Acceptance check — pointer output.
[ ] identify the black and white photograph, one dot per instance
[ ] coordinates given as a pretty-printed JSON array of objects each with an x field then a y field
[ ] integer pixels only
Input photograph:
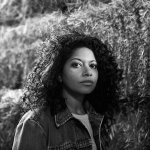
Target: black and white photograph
[{"x": 74, "y": 75}]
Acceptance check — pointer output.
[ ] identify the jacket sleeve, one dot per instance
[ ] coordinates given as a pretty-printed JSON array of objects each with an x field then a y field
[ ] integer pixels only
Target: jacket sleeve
[{"x": 29, "y": 136}]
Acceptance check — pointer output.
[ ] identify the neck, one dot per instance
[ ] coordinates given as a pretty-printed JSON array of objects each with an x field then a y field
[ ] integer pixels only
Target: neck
[{"x": 74, "y": 102}]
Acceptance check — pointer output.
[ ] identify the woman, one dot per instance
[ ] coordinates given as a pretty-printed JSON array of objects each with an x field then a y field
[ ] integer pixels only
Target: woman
[{"x": 72, "y": 87}]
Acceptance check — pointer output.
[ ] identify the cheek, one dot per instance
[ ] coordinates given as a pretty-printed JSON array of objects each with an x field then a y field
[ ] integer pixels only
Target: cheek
[
  {"x": 69, "y": 76},
  {"x": 95, "y": 74}
]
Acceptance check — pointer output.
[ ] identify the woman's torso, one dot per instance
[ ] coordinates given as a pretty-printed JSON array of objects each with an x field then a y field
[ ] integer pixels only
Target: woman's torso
[{"x": 60, "y": 131}]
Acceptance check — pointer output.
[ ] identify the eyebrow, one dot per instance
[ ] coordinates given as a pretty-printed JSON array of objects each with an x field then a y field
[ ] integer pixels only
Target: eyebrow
[{"x": 81, "y": 60}]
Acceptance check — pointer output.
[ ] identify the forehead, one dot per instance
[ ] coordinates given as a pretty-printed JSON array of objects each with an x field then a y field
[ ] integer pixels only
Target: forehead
[{"x": 83, "y": 53}]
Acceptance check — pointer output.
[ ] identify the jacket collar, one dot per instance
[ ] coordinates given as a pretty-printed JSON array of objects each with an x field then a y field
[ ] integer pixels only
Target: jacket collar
[
  {"x": 65, "y": 115},
  {"x": 62, "y": 117}
]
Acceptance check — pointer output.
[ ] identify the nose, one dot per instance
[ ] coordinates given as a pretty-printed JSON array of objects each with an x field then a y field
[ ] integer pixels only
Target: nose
[{"x": 86, "y": 71}]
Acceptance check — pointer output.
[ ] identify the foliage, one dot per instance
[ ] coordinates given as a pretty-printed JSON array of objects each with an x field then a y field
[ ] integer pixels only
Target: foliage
[
  {"x": 13, "y": 12},
  {"x": 10, "y": 110},
  {"x": 131, "y": 129},
  {"x": 14, "y": 68},
  {"x": 19, "y": 46},
  {"x": 18, "y": 9}
]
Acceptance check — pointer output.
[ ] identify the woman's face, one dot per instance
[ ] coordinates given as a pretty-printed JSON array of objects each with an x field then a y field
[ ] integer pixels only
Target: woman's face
[{"x": 80, "y": 72}]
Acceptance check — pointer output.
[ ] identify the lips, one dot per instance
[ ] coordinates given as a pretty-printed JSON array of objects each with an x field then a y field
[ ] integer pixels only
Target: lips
[{"x": 87, "y": 82}]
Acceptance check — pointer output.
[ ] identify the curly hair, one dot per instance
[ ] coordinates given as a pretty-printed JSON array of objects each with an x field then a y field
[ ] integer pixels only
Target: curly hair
[{"x": 43, "y": 87}]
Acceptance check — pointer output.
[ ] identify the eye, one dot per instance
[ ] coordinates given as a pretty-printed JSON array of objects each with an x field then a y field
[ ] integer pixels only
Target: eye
[
  {"x": 94, "y": 66},
  {"x": 76, "y": 65}
]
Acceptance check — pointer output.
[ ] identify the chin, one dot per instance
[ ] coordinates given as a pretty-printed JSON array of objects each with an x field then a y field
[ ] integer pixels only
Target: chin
[{"x": 85, "y": 91}]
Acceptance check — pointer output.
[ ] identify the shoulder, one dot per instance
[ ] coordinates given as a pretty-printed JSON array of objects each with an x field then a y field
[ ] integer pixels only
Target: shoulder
[
  {"x": 38, "y": 118},
  {"x": 31, "y": 131},
  {"x": 36, "y": 115}
]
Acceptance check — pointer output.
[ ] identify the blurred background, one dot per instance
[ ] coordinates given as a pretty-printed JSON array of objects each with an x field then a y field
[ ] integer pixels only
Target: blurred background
[{"x": 122, "y": 24}]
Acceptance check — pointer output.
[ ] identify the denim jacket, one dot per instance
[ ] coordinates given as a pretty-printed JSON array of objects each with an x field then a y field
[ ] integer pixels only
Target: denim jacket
[{"x": 39, "y": 130}]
